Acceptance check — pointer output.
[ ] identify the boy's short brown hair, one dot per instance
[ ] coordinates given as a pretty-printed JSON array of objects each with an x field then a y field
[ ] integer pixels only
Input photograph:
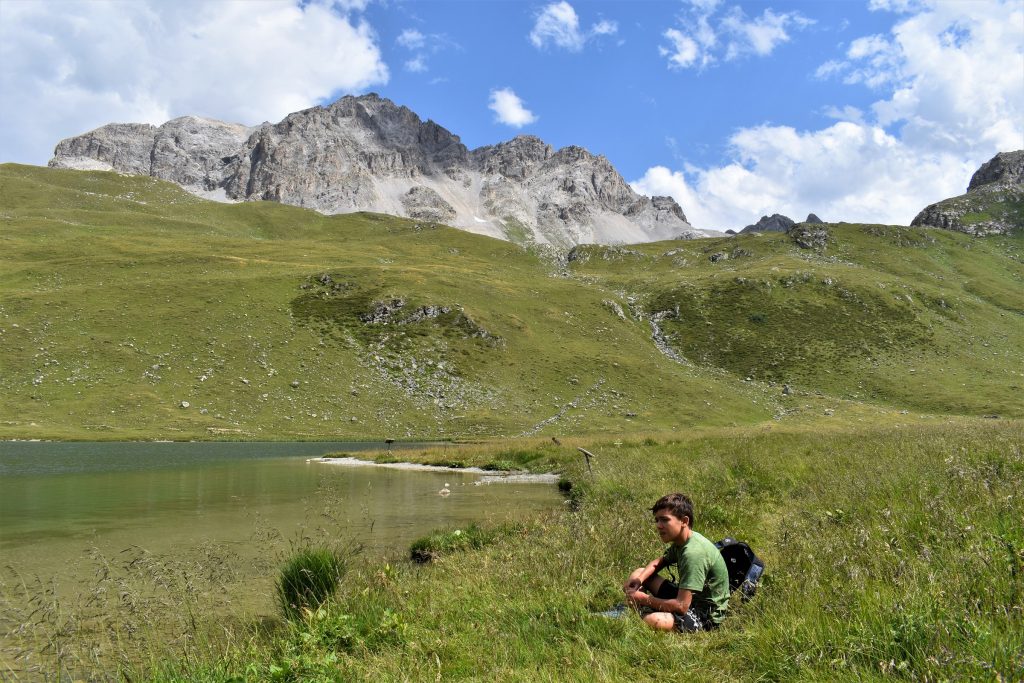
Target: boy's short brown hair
[{"x": 678, "y": 504}]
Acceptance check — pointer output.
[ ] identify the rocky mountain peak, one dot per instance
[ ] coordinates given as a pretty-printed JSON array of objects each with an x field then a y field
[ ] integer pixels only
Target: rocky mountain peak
[
  {"x": 516, "y": 158},
  {"x": 774, "y": 223},
  {"x": 1005, "y": 168},
  {"x": 366, "y": 153},
  {"x": 993, "y": 204}
]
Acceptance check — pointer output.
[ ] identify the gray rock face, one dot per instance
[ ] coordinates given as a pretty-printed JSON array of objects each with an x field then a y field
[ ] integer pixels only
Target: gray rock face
[
  {"x": 368, "y": 154},
  {"x": 123, "y": 147},
  {"x": 774, "y": 223},
  {"x": 993, "y": 204},
  {"x": 1005, "y": 168},
  {"x": 188, "y": 151},
  {"x": 813, "y": 218}
]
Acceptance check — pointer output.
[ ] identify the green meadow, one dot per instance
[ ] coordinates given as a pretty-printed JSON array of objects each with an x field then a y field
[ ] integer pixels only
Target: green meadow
[
  {"x": 851, "y": 406},
  {"x": 122, "y": 299}
]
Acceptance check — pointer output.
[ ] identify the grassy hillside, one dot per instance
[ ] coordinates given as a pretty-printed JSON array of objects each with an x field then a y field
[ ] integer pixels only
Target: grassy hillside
[
  {"x": 124, "y": 299},
  {"x": 915, "y": 318}
]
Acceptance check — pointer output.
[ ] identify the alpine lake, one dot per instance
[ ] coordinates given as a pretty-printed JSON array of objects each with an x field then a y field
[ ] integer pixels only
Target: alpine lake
[{"x": 119, "y": 538}]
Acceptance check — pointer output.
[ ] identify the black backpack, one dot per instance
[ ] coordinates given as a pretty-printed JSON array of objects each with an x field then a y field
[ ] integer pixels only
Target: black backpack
[{"x": 745, "y": 568}]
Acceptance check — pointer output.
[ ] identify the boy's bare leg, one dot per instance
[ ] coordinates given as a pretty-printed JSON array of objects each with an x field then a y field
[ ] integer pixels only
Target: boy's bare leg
[
  {"x": 653, "y": 584},
  {"x": 660, "y": 621}
]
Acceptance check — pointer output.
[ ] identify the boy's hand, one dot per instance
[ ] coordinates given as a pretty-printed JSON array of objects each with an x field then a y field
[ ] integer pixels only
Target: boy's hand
[
  {"x": 636, "y": 598},
  {"x": 632, "y": 584}
]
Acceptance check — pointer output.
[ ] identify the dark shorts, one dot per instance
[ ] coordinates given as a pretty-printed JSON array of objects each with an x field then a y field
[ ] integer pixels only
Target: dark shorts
[{"x": 694, "y": 619}]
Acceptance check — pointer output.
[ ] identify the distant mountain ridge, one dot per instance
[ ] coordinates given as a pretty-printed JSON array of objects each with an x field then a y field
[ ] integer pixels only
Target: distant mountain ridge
[{"x": 368, "y": 154}]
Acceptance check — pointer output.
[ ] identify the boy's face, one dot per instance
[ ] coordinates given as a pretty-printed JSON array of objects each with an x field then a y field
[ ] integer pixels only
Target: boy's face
[{"x": 670, "y": 527}]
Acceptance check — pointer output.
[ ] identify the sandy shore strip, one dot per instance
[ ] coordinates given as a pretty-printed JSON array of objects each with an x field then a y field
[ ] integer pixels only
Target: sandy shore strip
[{"x": 489, "y": 476}]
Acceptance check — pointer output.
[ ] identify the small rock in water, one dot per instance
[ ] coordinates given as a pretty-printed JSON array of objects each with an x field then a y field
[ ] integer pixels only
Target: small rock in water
[
  {"x": 185, "y": 404},
  {"x": 295, "y": 384}
]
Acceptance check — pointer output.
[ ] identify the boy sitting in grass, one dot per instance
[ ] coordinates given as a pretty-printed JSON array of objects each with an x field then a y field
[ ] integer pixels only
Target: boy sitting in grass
[{"x": 699, "y": 600}]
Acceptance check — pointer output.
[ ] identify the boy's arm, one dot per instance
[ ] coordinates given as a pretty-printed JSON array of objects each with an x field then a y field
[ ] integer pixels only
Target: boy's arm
[
  {"x": 637, "y": 578},
  {"x": 679, "y": 604},
  {"x": 692, "y": 575}
]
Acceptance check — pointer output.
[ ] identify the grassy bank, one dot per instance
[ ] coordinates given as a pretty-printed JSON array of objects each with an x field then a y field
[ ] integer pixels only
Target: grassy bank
[{"x": 892, "y": 552}]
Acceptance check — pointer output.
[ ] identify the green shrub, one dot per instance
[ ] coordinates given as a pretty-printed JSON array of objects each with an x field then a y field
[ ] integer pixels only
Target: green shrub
[{"x": 308, "y": 579}]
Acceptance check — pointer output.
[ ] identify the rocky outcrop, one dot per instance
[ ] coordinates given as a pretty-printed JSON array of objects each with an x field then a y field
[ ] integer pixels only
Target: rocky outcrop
[
  {"x": 368, "y": 154},
  {"x": 809, "y": 235},
  {"x": 122, "y": 147},
  {"x": 188, "y": 151},
  {"x": 426, "y": 205},
  {"x": 774, "y": 223},
  {"x": 813, "y": 218},
  {"x": 1005, "y": 169},
  {"x": 993, "y": 204}
]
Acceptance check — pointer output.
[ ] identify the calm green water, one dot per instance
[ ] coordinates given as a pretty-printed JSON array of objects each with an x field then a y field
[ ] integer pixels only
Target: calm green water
[{"x": 67, "y": 510}]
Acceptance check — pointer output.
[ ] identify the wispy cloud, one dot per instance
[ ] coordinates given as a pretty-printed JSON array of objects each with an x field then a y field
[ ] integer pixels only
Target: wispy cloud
[
  {"x": 759, "y": 35},
  {"x": 422, "y": 45},
  {"x": 416, "y": 65},
  {"x": 411, "y": 39},
  {"x": 705, "y": 34},
  {"x": 509, "y": 109},
  {"x": 872, "y": 60},
  {"x": 559, "y": 25}
]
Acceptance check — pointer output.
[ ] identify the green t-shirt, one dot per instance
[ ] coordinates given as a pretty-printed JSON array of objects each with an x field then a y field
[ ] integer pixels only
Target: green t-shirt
[{"x": 701, "y": 570}]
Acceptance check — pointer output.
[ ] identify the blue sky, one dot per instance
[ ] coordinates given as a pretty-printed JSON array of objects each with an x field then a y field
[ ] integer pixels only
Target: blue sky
[{"x": 858, "y": 110}]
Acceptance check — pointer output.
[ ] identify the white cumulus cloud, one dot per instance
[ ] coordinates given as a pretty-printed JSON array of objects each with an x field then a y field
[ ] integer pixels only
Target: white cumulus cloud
[
  {"x": 66, "y": 68},
  {"x": 848, "y": 171},
  {"x": 509, "y": 109},
  {"x": 949, "y": 76},
  {"x": 955, "y": 73},
  {"x": 559, "y": 25}
]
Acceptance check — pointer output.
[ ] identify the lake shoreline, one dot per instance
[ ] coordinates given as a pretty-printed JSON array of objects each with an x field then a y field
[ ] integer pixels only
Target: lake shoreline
[{"x": 489, "y": 476}]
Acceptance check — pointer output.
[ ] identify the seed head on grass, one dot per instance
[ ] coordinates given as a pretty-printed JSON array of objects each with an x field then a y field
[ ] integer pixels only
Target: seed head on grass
[{"x": 307, "y": 579}]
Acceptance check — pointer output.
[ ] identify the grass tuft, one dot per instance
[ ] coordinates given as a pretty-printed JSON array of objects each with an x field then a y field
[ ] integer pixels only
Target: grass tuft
[{"x": 307, "y": 580}]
